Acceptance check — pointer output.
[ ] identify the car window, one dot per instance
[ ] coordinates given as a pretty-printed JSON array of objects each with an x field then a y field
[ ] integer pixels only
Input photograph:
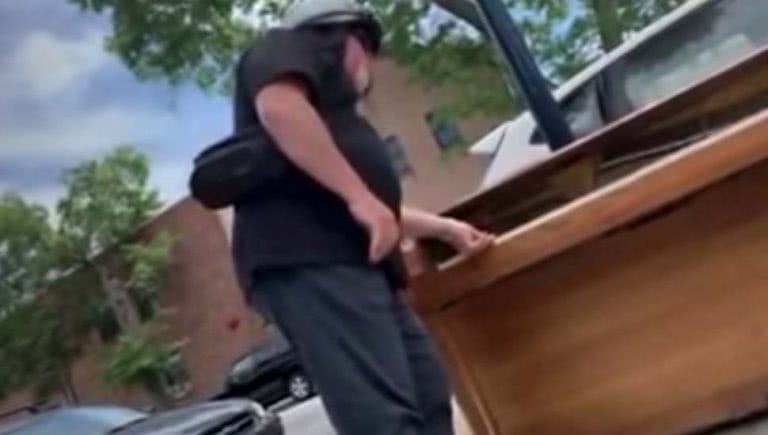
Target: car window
[
  {"x": 710, "y": 38},
  {"x": 81, "y": 422},
  {"x": 113, "y": 416},
  {"x": 273, "y": 343},
  {"x": 581, "y": 110}
]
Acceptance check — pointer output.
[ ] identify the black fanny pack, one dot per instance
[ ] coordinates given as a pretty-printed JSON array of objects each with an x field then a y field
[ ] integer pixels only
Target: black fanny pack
[{"x": 237, "y": 166}]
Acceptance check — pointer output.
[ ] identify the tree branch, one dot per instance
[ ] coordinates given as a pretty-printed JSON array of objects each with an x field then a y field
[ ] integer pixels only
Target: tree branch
[
  {"x": 608, "y": 23},
  {"x": 466, "y": 11},
  {"x": 120, "y": 302}
]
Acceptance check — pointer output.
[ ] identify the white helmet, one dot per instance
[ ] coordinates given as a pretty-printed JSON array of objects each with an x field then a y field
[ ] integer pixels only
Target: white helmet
[{"x": 308, "y": 13}]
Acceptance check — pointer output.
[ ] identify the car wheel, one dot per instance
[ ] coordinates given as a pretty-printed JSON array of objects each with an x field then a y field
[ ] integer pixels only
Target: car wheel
[{"x": 300, "y": 387}]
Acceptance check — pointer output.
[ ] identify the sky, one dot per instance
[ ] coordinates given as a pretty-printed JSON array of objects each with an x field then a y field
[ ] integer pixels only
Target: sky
[{"x": 64, "y": 99}]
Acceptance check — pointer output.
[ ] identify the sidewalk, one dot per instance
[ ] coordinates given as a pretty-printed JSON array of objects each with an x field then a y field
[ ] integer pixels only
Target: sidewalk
[{"x": 459, "y": 422}]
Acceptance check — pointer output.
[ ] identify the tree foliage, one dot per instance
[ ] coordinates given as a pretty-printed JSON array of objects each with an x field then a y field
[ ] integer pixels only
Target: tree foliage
[
  {"x": 44, "y": 337},
  {"x": 140, "y": 359},
  {"x": 106, "y": 201},
  {"x": 147, "y": 263},
  {"x": 58, "y": 283},
  {"x": 44, "y": 317},
  {"x": 199, "y": 40},
  {"x": 25, "y": 248}
]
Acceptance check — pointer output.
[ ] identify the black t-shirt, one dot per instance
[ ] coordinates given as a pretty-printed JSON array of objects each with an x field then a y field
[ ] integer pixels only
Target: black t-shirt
[{"x": 298, "y": 222}]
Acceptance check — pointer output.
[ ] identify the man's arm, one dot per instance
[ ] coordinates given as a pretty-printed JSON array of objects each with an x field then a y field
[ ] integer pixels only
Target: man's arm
[
  {"x": 300, "y": 133},
  {"x": 466, "y": 239},
  {"x": 419, "y": 224},
  {"x": 302, "y": 136}
]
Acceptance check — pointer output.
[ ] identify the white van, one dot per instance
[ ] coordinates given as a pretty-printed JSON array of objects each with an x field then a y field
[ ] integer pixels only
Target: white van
[{"x": 681, "y": 49}]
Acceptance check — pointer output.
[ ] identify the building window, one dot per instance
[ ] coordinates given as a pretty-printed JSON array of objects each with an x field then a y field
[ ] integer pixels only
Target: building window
[
  {"x": 398, "y": 156},
  {"x": 445, "y": 129}
]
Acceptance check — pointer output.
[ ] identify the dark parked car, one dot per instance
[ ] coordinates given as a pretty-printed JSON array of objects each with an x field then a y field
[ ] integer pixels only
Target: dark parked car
[
  {"x": 269, "y": 373},
  {"x": 230, "y": 417}
]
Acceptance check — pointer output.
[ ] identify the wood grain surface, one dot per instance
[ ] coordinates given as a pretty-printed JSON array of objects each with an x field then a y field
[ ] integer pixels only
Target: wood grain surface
[
  {"x": 636, "y": 308},
  {"x": 643, "y": 192},
  {"x": 656, "y": 329},
  {"x": 728, "y": 95}
]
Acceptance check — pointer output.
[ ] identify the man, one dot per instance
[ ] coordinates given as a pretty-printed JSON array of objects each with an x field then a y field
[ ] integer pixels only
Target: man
[{"x": 318, "y": 251}]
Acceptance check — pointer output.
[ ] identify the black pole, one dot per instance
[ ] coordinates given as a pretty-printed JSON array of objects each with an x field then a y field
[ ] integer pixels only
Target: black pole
[{"x": 530, "y": 81}]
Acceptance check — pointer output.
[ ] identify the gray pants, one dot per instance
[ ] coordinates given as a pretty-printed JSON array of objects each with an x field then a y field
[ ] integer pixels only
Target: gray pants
[{"x": 375, "y": 369}]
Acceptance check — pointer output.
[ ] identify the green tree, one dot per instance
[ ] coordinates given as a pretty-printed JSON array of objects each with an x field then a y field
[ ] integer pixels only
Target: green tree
[
  {"x": 199, "y": 40},
  {"x": 142, "y": 359},
  {"x": 25, "y": 247},
  {"x": 566, "y": 35},
  {"x": 106, "y": 203},
  {"x": 41, "y": 328},
  {"x": 59, "y": 285},
  {"x": 25, "y": 239},
  {"x": 44, "y": 337}
]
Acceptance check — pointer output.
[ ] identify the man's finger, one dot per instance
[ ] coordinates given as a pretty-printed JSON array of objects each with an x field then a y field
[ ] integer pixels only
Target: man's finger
[
  {"x": 479, "y": 245},
  {"x": 378, "y": 253},
  {"x": 373, "y": 246},
  {"x": 380, "y": 249}
]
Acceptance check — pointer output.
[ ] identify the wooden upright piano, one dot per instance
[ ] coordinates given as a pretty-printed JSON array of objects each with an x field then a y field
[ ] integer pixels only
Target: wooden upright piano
[{"x": 628, "y": 291}]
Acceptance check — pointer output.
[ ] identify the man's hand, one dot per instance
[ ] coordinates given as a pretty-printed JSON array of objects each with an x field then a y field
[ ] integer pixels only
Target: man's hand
[
  {"x": 303, "y": 137},
  {"x": 380, "y": 222},
  {"x": 465, "y": 238}
]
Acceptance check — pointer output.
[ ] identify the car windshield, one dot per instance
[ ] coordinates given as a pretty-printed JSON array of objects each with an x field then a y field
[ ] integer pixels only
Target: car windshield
[
  {"x": 97, "y": 421},
  {"x": 581, "y": 110},
  {"x": 272, "y": 344},
  {"x": 709, "y": 39},
  {"x": 717, "y": 34}
]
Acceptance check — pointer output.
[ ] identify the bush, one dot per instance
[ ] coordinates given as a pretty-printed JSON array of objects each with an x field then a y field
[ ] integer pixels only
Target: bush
[{"x": 141, "y": 360}]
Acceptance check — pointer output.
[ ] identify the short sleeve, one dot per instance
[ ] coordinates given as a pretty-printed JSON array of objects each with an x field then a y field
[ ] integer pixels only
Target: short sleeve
[{"x": 277, "y": 55}]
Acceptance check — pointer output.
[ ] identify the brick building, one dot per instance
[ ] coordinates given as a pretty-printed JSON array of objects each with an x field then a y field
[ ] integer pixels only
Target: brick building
[{"x": 207, "y": 305}]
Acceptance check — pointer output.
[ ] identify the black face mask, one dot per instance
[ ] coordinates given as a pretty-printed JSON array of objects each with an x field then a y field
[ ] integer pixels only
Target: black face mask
[
  {"x": 333, "y": 40},
  {"x": 362, "y": 35}
]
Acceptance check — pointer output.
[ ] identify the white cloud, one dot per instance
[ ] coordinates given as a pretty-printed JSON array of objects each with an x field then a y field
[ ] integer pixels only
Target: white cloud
[
  {"x": 46, "y": 84},
  {"x": 47, "y": 77},
  {"x": 45, "y": 66},
  {"x": 83, "y": 134}
]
